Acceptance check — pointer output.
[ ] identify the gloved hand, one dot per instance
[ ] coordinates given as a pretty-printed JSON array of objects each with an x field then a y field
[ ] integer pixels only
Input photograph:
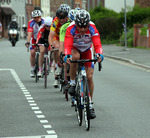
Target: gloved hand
[
  {"x": 99, "y": 57},
  {"x": 67, "y": 57},
  {"x": 27, "y": 44}
]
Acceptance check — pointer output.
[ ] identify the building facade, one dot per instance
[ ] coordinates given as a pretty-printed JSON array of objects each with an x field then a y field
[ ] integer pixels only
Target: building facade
[
  {"x": 11, "y": 9},
  {"x": 118, "y": 5},
  {"x": 45, "y": 7},
  {"x": 143, "y": 3}
]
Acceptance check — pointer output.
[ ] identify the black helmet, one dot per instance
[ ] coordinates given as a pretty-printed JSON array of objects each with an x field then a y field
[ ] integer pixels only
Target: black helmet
[
  {"x": 61, "y": 14},
  {"x": 82, "y": 18}
]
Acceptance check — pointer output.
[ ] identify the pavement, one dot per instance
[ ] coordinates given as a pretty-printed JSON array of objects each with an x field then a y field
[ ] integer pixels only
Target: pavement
[{"x": 138, "y": 57}]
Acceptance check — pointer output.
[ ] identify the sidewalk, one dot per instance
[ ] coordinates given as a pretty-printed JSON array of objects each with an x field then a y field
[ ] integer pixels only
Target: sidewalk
[{"x": 139, "y": 57}]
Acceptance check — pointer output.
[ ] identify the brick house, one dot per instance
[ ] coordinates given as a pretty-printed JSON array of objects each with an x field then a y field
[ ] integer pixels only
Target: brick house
[{"x": 143, "y": 3}]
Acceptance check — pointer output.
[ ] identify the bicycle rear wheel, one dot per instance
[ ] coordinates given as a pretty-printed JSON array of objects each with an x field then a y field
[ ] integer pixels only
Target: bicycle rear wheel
[
  {"x": 36, "y": 67},
  {"x": 86, "y": 105}
]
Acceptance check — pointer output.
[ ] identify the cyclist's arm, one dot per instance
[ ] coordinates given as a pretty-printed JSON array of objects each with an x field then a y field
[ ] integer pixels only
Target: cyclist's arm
[
  {"x": 68, "y": 43},
  {"x": 40, "y": 34},
  {"x": 51, "y": 37},
  {"x": 97, "y": 44},
  {"x": 29, "y": 36},
  {"x": 62, "y": 38}
]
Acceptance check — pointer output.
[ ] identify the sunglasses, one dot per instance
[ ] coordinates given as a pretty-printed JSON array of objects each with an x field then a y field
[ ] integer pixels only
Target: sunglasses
[{"x": 47, "y": 26}]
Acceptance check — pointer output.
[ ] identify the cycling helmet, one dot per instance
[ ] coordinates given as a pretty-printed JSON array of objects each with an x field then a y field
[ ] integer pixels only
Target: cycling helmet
[
  {"x": 71, "y": 15},
  {"x": 77, "y": 8},
  {"x": 14, "y": 19},
  {"x": 36, "y": 13},
  {"x": 82, "y": 18},
  {"x": 64, "y": 7},
  {"x": 48, "y": 21},
  {"x": 61, "y": 14}
]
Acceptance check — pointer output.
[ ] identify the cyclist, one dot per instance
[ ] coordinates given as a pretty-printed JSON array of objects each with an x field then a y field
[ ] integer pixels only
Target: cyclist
[
  {"x": 59, "y": 20},
  {"x": 33, "y": 28},
  {"x": 42, "y": 38},
  {"x": 62, "y": 37},
  {"x": 78, "y": 45}
]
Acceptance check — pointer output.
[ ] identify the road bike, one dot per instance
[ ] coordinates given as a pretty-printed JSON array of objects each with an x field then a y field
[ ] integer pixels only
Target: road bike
[
  {"x": 46, "y": 66},
  {"x": 82, "y": 98},
  {"x": 63, "y": 78}
]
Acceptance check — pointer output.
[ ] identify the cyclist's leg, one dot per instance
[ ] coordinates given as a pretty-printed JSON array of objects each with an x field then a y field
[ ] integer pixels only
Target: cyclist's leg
[
  {"x": 90, "y": 70},
  {"x": 41, "y": 59},
  {"x": 32, "y": 57},
  {"x": 56, "y": 59},
  {"x": 73, "y": 68}
]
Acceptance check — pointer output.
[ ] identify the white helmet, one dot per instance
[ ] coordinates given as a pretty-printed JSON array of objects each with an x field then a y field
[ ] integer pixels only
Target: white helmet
[
  {"x": 14, "y": 19},
  {"x": 48, "y": 21},
  {"x": 36, "y": 13}
]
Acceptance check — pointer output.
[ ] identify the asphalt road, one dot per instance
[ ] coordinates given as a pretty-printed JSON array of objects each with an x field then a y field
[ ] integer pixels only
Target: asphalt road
[{"x": 121, "y": 101}]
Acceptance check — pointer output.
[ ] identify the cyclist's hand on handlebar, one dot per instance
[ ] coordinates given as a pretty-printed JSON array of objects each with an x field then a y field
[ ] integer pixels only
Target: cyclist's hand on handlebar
[
  {"x": 67, "y": 59},
  {"x": 51, "y": 48},
  {"x": 27, "y": 44},
  {"x": 99, "y": 57}
]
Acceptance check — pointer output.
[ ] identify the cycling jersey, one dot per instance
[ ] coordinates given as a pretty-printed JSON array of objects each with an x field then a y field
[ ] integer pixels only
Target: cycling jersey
[
  {"x": 34, "y": 27},
  {"x": 55, "y": 26},
  {"x": 63, "y": 31},
  {"x": 42, "y": 35},
  {"x": 82, "y": 42}
]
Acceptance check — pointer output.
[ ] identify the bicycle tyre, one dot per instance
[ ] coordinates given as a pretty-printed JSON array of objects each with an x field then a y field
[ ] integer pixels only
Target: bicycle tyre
[
  {"x": 78, "y": 107},
  {"x": 36, "y": 67},
  {"x": 61, "y": 78},
  {"x": 45, "y": 72},
  {"x": 66, "y": 95},
  {"x": 86, "y": 104}
]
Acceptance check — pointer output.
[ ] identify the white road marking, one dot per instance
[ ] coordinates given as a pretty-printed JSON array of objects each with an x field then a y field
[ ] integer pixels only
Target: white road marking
[
  {"x": 47, "y": 126},
  {"x": 35, "y": 108},
  {"x": 42, "y": 136},
  {"x": 43, "y": 121},
  {"x": 40, "y": 116},
  {"x": 32, "y": 103},
  {"x": 37, "y": 112}
]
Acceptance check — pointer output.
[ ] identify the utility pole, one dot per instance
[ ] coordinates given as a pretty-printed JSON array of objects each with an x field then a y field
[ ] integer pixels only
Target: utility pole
[
  {"x": 72, "y": 4},
  {"x": 125, "y": 26}
]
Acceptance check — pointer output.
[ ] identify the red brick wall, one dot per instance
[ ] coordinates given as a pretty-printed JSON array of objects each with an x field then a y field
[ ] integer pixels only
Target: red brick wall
[{"x": 143, "y": 3}]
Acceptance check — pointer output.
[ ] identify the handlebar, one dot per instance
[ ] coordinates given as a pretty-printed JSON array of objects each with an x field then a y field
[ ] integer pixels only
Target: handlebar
[{"x": 88, "y": 60}]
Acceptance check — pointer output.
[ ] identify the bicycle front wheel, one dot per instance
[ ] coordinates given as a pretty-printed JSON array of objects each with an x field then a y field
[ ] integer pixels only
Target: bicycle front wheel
[
  {"x": 86, "y": 104},
  {"x": 78, "y": 107},
  {"x": 45, "y": 72},
  {"x": 36, "y": 67}
]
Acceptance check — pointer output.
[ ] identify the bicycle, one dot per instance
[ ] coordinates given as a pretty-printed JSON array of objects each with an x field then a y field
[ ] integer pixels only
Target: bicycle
[
  {"x": 36, "y": 68},
  {"x": 82, "y": 98},
  {"x": 62, "y": 78},
  {"x": 46, "y": 67}
]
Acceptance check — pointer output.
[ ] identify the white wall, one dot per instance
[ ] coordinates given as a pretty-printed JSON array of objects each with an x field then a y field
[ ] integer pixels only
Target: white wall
[
  {"x": 45, "y": 7},
  {"x": 117, "y": 5}
]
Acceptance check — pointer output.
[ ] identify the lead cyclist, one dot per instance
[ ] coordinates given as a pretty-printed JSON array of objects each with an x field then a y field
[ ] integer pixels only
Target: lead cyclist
[{"x": 78, "y": 45}]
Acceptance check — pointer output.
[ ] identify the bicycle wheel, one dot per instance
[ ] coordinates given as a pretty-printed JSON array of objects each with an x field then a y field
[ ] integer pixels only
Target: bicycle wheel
[
  {"x": 45, "y": 72},
  {"x": 86, "y": 104},
  {"x": 61, "y": 79},
  {"x": 78, "y": 107},
  {"x": 36, "y": 67}
]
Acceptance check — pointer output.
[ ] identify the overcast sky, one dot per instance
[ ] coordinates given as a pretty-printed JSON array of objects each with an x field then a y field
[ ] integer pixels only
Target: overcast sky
[{"x": 117, "y": 5}]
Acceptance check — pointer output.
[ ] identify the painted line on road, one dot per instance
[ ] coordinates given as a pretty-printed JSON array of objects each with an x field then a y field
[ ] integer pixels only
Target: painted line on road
[{"x": 51, "y": 133}]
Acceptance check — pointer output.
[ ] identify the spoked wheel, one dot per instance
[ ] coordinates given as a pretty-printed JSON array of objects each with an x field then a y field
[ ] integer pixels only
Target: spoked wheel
[
  {"x": 36, "y": 68},
  {"x": 79, "y": 113},
  {"x": 86, "y": 106},
  {"x": 66, "y": 94},
  {"x": 79, "y": 108},
  {"x": 45, "y": 72},
  {"x": 87, "y": 114}
]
